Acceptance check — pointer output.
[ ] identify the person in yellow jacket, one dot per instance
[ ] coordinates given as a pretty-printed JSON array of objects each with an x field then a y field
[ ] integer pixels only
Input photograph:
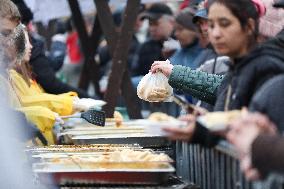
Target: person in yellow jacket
[
  {"x": 26, "y": 95},
  {"x": 41, "y": 116},
  {"x": 32, "y": 98}
]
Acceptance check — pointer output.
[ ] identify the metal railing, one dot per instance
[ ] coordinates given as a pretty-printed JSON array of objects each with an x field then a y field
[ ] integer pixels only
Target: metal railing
[{"x": 216, "y": 168}]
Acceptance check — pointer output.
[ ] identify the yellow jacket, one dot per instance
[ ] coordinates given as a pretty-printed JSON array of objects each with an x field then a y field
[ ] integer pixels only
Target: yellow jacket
[
  {"x": 40, "y": 116},
  {"x": 39, "y": 107},
  {"x": 33, "y": 95}
]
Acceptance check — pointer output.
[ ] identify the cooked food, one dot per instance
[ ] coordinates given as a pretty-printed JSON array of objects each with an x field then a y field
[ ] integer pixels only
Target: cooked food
[
  {"x": 117, "y": 118},
  {"x": 154, "y": 88},
  {"x": 159, "y": 116},
  {"x": 216, "y": 119},
  {"x": 120, "y": 159},
  {"x": 80, "y": 148}
]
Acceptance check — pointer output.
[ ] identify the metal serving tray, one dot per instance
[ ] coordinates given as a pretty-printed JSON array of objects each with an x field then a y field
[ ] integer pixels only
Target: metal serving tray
[
  {"x": 81, "y": 148},
  {"x": 62, "y": 175},
  {"x": 143, "y": 140},
  {"x": 132, "y": 132}
]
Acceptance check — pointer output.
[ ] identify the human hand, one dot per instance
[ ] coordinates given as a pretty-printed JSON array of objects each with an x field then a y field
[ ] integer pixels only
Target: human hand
[
  {"x": 182, "y": 134},
  {"x": 188, "y": 118},
  {"x": 163, "y": 66},
  {"x": 199, "y": 111},
  {"x": 242, "y": 133},
  {"x": 58, "y": 119}
]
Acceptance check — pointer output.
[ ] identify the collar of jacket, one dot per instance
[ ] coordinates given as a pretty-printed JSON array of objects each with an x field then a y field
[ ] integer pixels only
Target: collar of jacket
[{"x": 236, "y": 63}]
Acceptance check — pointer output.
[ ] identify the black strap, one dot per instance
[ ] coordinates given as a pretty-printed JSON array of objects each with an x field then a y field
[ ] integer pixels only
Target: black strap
[{"x": 214, "y": 65}]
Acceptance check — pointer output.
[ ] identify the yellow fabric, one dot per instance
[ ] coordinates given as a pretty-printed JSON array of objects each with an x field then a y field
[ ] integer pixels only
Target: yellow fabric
[
  {"x": 43, "y": 118},
  {"x": 7, "y": 90},
  {"x": 33, "y": 95}
]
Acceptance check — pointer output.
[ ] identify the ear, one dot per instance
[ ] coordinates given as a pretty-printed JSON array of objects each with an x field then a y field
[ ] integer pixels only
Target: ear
[{"x": 251, "y": 26}]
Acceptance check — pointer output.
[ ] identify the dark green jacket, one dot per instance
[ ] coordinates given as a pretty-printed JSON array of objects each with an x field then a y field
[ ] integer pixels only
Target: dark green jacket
[{"x": 196, "y": 83}]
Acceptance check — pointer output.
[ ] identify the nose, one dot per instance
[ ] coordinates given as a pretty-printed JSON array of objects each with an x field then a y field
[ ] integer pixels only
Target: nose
[
  {"x": 31, "y": 46},
  {"x": 204, "y": 27},
  {"x": 216, "y": 32}
]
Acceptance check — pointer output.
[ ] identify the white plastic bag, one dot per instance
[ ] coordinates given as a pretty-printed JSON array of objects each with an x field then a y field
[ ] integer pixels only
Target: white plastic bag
[{"x": 154, "y": 88}]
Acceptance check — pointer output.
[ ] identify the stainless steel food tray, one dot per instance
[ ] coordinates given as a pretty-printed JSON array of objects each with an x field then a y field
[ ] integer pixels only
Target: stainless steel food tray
[
  {"x": 81, "y": 148},
  {"x": 143, "y": 140},
  {"x": 63, "y": 175}
]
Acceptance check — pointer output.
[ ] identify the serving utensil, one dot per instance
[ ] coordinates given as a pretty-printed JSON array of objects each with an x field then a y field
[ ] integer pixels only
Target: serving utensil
[{"x": 92, "y": 116}]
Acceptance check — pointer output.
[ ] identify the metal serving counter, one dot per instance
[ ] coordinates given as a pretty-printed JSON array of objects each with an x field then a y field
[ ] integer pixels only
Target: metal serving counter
[{"x": 132, "y": 132}]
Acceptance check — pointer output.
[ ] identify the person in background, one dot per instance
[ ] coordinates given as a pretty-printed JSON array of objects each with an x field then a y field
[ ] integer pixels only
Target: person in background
[
  {"x": 40, "y": 64},
  {"x": 74, "y": 58},
  {"x": 10, "y": 19},
  {"x": 186, "y": 34},
  {"x": 259, "y": 147},
  {"x": 161, "y": 26},
  {"x": 201, "y": 19},
  {"x": 103, "y": 53},
  {"x": 252, "y": 65},
  {"x": 254, "y": 134},
  {"x": 40, "y": 108},
  {"x": 15, "y": 130},
  {"x": 184, "y": 4},
  {"x": 189, "y": 3},
  {"x": 30, "y": 95},
  {"x": 58, "y": 48},
  {"x": 208, "y": 61}
]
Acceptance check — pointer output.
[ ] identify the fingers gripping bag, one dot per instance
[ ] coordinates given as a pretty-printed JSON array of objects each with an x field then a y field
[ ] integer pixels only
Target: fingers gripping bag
[{"x": 154, "y": 87}]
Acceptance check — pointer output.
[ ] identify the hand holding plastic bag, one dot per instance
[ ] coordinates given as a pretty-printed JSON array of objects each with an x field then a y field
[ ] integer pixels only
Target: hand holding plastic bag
[{"x": 154, "y": 87}]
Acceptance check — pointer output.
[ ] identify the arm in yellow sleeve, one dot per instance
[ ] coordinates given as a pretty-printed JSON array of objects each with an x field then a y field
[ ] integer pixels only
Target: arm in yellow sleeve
[
  {"x": 33, "y": 96},
  {"x": 43, "y": 118},
  {"x": 61, "y": 104}
]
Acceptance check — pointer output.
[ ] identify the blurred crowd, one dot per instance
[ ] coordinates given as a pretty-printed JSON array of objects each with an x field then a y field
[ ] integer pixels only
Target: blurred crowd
[{"x": 212, "y": 52}]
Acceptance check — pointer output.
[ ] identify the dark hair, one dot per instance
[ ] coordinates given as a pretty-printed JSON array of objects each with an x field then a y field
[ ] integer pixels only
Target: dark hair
[
  {"x": 243, "y": 10},
  {"x": 60, "y": 27},
  {"x": 69, "y": 25}
]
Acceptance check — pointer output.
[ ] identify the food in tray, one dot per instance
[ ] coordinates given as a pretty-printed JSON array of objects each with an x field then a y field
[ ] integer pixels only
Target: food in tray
[
  {"x": 82, "y": 148},
  {"x": 117, "y": 118},
  {"x": 127, "y": 158},
  {"x": 159, "y": 116},
  {"x": 132, "y": 155},
  {"x": 216, "y": 121},
  {"x": 125, "y": 155}
]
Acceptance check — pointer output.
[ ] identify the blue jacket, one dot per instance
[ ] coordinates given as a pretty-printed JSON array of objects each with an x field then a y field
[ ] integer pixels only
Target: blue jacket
[{"x": 187, "y": 56}]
